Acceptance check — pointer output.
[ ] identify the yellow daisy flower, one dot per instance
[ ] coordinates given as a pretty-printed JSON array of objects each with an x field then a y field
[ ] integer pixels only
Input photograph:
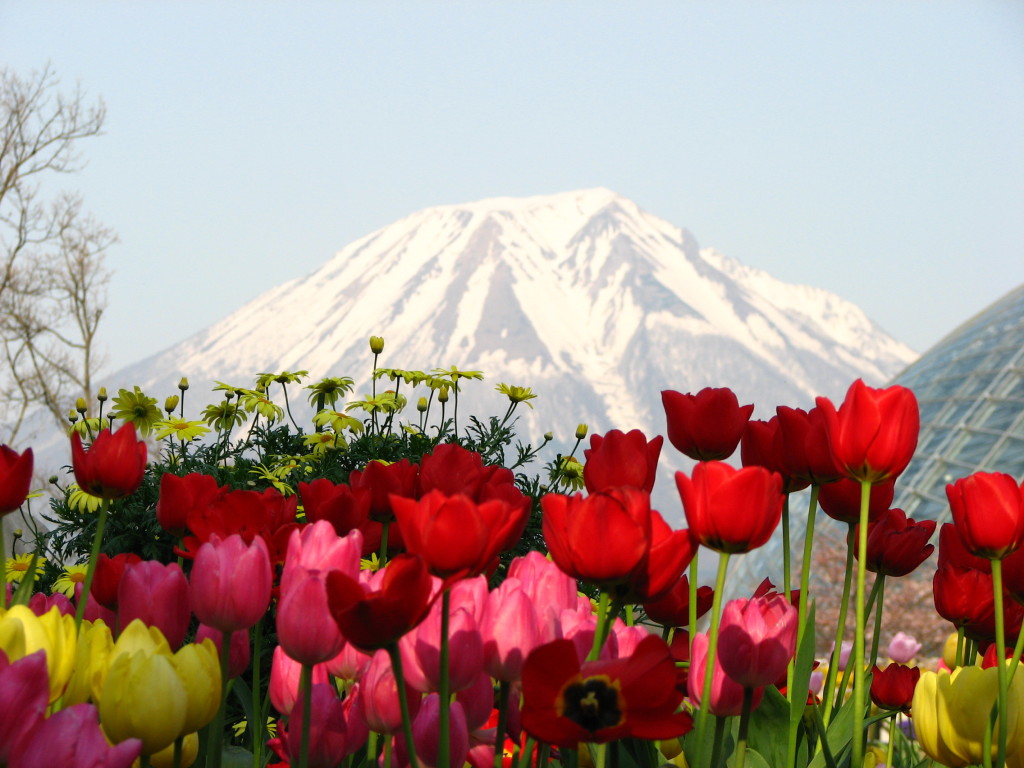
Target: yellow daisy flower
[
  {"x": 18, "y": 566},
  {"x": 71, "y": 576},
  {"x": 179, "y": 428},
  {"x": 82, "y": 502},
  {"x": 135, "y": 407}
]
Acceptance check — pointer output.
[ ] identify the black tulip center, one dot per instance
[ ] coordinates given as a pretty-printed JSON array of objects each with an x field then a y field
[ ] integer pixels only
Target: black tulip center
[{"x": 592, "y": 704}]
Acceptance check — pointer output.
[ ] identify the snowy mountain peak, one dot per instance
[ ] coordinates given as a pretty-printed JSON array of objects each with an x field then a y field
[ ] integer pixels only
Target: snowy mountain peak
[{"x": 583, "y": 296}]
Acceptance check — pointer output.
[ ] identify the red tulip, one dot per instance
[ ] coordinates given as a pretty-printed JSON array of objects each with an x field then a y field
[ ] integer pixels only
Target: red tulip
[
  {"x": 706, "y": 426},
  {"x": 761, "y": 446},
  {"x": 382, "y": 480},
  {"x": 953, "y": 552},
  {"x": 673, "y": 609},
  {"x": 454, "y": 535},
  {"x": 398, "y": 600},
  {"x": 897, "y": 544},
  {"x": 604, "y": 538},
  {"x": 841, "y": 500},
  {"x": 874, "y": 433},
  {"x": 231, "y": 583},
  {"x": 159, "y": 595},
  {"x": 179, "y": 496},
  {"x": 1013, "y": 575},
  {"x": 806, "y": 451},
  {"x": 963, "y": 596},
  {"x": 757, "y": 639},
  {"x": 566, "y": 702},
  {"x": 249, "y": 514},
  {"x": 621, "y": 459},
  {"x": 731, "y": 510},
  {"x": 988, "y": 511},
  {"x": 15, "y": 478},
  {"x": 344, "y": 507},
  {"x": 893, "y": 687},
  {"x": 107, "y": 578},
  {"x": 670, "y": 552},
  {"x": 114, "y": 464}
]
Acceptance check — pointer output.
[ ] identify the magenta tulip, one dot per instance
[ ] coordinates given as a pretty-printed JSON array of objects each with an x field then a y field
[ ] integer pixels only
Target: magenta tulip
[
  {"x": 510, "y": 630},
  {"x": 159, "y": 595},
  {"x": 726, "y": 693},
  {"x": 284, "y": 680},
  {"x": 239, "y": 655},
  {"x": 381, "y": 706},
  {"x": 73, "y": 737},
  {"x": 757, "y": 639},
  {"x": 24, "y": 697}
]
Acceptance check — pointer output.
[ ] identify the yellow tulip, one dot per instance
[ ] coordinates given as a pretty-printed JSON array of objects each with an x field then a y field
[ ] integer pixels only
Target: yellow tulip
[
  {"x": 189, "y": 751},
  {"x": 138, "y": 636},
  {"x": 951, "y": 711},
  {"x": 23, "y": 633},
  {"x": 94, "y": 646},
  {"x": 198, "y": 668},
  {"x": 143, "y": 698}
]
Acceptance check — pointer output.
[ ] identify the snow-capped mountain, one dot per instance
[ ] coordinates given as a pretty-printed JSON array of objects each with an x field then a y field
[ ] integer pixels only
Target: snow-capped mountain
[{"x": 594, "y": 303}]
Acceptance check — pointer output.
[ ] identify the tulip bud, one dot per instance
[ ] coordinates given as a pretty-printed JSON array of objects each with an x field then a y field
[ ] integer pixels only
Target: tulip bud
[
  {"x": 183, "y": 384},
  {"x": 80, "y": 405},
  {"x": 376, "y": 344},
  {"x": 581, "y": 431},
  {"x": 171, "y": 403}
]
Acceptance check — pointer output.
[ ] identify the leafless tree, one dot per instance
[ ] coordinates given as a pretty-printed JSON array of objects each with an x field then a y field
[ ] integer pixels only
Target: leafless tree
[{"x": 52, "y": 277}]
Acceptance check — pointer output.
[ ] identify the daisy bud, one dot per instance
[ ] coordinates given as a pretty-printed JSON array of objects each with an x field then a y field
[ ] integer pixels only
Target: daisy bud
[
  {"x": 171, "y": 403},
  {"x": 376, "y": 344},
  {"x": 80, "y": 405},
  {"x": 421, "y": 405},
  {"x": 183, "y": 384},
  {"x": 581, "y": 431},
  {"x": 442, "y": 395},
  {"x": 102, "y": 395}
]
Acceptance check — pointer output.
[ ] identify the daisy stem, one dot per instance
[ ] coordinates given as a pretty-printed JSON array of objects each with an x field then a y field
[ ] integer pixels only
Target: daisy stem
[
  {"x": 257, "y": 706},
  {"x": 306, "y": 689},
  {"x": 90, "y": 571},
  {"x": 709, "y": 659},
  {"x": 858, "y": 638},
  {"x": 177, "y": 751},
  {"x": 837, "y": 646},
  {"x": 403, "y": 704}
]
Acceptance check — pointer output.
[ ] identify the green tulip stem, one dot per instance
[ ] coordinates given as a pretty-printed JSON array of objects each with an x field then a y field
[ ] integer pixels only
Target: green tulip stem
[
  {"x": 961, "y": 650},
  {"x": 215, "y": 746},
  {"x": 837, "y": 646},
  {"x": 877, "y": 593},
  {"x": 177, "y": 751},
  {"x": 526, "y": 756},
  {"x": 90, "y": 571},
  {"x": 603, "y": 605},
  {"x": 259, "y": 721},
  {"x": 786, "y": 560},
  {"x": 384, "y": 527},
  {"x": 444, "y": 692},
  {"x": 719, "y": 737},
  {"x": 858, "y": 639},
  {"x": 805, "y": 573},
  {"x": 306, "y": 689},
  {"x": 1017, "y": 650},
  {"x": 601, "y": 759},
  {"x": 3, "y": 568},
  {"x": 502, "y": 726},
  {"x": 892, "y": 738},
  {"x": 997, "y": 592},
  {"x": 709, "y": 658},
  {"x": 692, "y": 607},
  {"x": 403, "y": 704},
  {"x": 741, "y": 744}
]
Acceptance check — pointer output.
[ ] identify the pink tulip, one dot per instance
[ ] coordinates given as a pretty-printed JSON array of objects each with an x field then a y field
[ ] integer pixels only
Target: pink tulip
[
  {"x": 24, "y": 697},
  {"x": 421, "y": 651},
  {"x": 381, "y": 706},
  {"x": 231, "y": 582},
  {"x": 425, "y": 735},
  {"x": 41, "y": 603},
  {"x": 349, "y": 664},
  {"x": 305, "y": 627},
  {"x": 239, "y": 655},
  {"x": 726, "y": 693},
  {"x": 159, "y": 595},
  {"x": 510, "y": 630},
  {"x": 284, "y": 680},
  {"x": 73, "y": 737},
  {"x": 477, "y": 701},
  {"x": 336, "y": 728},
  {"x": 903, "y": 648},
  {"x": 757, "y": 639},
  {"x": 550, "y": 589}
]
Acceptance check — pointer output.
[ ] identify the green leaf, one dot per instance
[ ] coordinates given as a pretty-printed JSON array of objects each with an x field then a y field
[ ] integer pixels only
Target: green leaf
[
  {"x": 769, "y": 726},
  {"x": 754, "y": 759},
  {"x": 838, "y": 736}
]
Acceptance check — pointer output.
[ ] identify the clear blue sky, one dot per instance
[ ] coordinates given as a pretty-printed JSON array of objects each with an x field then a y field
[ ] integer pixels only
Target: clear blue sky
[{"x": 875, "y": 149}]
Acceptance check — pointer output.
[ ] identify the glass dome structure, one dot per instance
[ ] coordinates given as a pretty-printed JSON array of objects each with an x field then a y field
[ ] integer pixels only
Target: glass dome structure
[{"x": 970, "y": 388}]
